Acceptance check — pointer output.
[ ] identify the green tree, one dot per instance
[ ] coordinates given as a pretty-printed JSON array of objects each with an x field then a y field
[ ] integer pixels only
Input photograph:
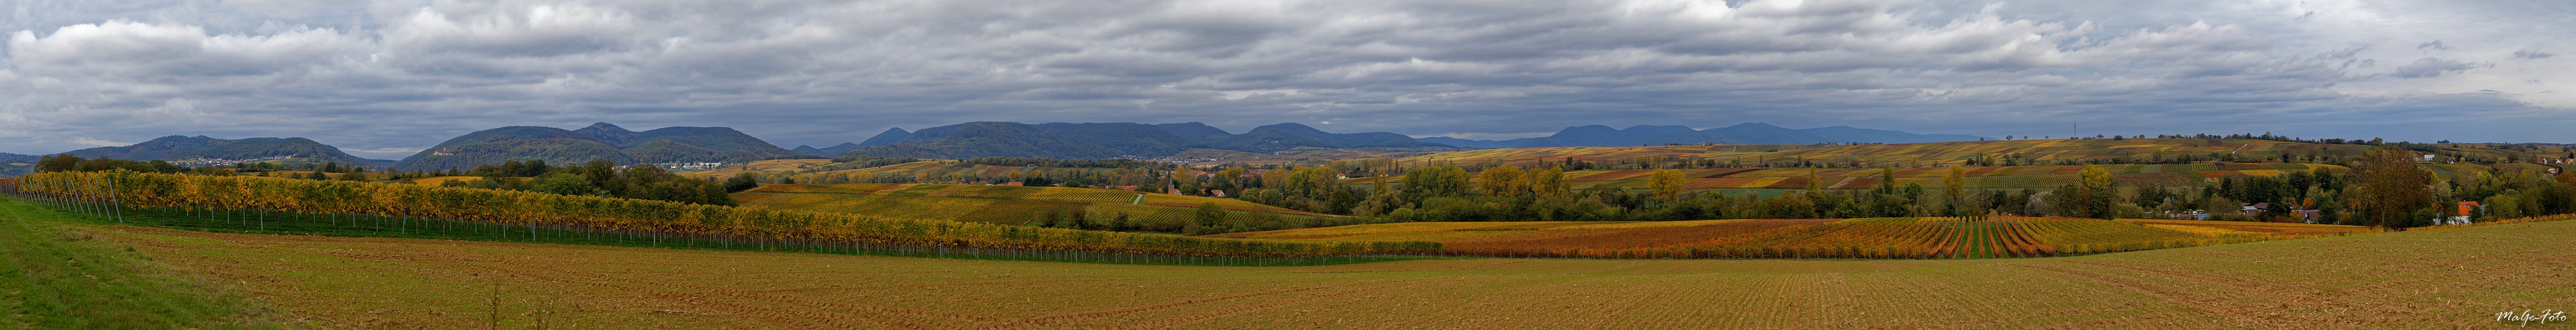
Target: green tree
[
  {"x": 1436, "y": 181},
  {"x": 563, "y": 184},
  {"x": 741, "y": 182},
  {"x": 1207, "y": 217},
  {"x": 58, "y": 163}
]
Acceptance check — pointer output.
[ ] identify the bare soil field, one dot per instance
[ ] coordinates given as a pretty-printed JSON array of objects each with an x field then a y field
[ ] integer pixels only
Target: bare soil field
[{"x": 2421, "y": 279}]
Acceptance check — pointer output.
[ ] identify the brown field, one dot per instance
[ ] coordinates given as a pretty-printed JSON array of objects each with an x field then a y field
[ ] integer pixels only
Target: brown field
[
  {"x": 2260, "y": 227},
  {"x": 2455, "y": 278},
  {"x": 1870, "y": 238}
]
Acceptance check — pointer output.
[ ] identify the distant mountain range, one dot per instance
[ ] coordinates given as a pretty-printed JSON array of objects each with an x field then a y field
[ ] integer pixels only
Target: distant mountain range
[
  {"x": 890, "y": 136},
  {"x": 1747, "y": 133},
  {"x": 597, "y": 142},
  {"x": 174, "y": 147},
  {"x": 967, "y": 140},
  {"x": 1107, "y": 140}
]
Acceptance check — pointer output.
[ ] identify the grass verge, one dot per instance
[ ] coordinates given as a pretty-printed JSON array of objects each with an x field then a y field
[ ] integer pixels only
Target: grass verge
[{"x": 56, "y": 275}]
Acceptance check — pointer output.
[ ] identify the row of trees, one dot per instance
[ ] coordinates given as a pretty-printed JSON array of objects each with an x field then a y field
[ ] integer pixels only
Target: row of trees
[
  {"x": 148, "y": 190},
  {"x": 2385, "y": 187},
  {"x": 598, "y": 178}
]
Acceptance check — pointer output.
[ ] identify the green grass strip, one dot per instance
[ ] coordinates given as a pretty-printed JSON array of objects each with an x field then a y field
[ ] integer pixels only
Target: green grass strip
[{"x": 58, "y": 276}]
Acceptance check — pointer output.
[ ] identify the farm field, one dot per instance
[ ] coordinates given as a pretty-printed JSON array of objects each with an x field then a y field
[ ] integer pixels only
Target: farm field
[
  {"x": 1875, "y": 238},
  {"x": 927, "y": 170},
  {"x": 1294, "y": 155},
  {"x": 1925, "y": 163},
  {"x": 2419, "y": 279},
  {"x": 2052, "y": 150},
  {"x": 442, "y": 180},
  {"x": 990, "y": 204},
  {"x": 1982, "y": 177},
  {"x": 774, "y": 165},
  {"x": 1541, "y": 157}
]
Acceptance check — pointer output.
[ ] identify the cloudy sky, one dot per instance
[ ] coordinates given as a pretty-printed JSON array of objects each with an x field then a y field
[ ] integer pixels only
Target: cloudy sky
[{"x": 385, "y": 78}]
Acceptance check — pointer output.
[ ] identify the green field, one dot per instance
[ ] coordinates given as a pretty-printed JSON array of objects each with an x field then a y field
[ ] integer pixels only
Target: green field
[
  {"x": 54, "y": 276},
  {"x": 2452, "y": 278},
  {"x": 995, "y": 204}
]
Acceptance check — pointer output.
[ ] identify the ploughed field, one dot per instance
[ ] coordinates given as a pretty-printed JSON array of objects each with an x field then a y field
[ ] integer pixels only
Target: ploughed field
[
  {"x": 2418, "y": 279},
  {"x": 1874, "y": 238},
  {"x": 991, "y": 204}
]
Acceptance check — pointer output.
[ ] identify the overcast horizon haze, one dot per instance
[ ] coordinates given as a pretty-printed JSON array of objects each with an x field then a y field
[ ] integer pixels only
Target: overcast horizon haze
[{"x": 383, "y": 79}]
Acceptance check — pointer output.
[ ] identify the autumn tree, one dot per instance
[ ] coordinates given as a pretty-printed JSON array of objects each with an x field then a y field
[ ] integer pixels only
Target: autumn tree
[
  {"x": 1503, "y": 181},
  {"x": 2390, "y": 188},
  {"x": 1549, "y": 183},
  {"x": 1956, "y": 184},
  {"x": 1667, "y": 184}
]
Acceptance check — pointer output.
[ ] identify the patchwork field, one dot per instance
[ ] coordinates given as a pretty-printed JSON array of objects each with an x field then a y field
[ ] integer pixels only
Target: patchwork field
[
  {"x": 1877, "y": 238},
  {"x": 1540, "y": 157},
  {"x": 1943, "y": 153},
  {"x": 990, "y": 204},
  {"x": 1986, "y": 177},
  {"x": 796, "y": 169},
  {"x": 2454, "y": 278}
]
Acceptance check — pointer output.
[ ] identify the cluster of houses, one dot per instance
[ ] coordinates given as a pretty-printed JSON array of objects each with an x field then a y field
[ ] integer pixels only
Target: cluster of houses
[
  {"x": 2310, "y": 216},
  {"x": 683, "y": 167}
]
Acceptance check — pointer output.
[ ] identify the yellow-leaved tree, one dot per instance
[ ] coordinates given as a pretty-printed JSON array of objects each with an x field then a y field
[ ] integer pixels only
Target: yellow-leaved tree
[
  {"x": 1667, "y": 184},
  {"x": 1502, "y": 181}
]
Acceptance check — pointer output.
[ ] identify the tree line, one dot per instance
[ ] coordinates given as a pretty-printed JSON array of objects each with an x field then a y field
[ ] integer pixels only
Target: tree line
[
  {"x": 126, "y": 189},
  {"x": 2385, "y": 187}
]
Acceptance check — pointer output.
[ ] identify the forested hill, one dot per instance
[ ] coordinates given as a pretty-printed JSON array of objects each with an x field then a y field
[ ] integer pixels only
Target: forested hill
[
  {"x": 597, "y": 142},
  {"x": 174, "y": 147},
  {"x": 1110, "y": 140},
  {"x": 13, "y": 165}
]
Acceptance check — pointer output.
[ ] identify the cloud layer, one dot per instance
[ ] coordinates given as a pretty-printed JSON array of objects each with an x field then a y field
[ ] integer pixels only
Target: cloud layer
[{"x": 384, "y": 78}]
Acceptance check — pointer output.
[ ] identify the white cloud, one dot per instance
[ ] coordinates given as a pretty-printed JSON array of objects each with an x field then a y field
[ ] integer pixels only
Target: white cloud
[
  {"x": 141, "y": 51},
  {"x": 87, "y": 141},
  {"x": 383, "y": 153}
]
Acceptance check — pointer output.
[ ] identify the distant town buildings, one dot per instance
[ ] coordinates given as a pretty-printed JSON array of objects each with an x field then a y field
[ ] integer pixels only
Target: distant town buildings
[
  {"x": 203, "y": 162},
  {"x": 684, "y": 167}
]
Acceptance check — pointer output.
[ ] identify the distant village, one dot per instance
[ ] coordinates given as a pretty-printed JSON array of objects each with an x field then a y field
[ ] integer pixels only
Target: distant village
[
  {"x": 203, "y": 162},
  {"x": 687, "y": 167}
]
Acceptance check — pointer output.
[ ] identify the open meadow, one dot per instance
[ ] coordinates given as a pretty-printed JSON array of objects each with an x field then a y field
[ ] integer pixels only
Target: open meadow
[{"x": 2418, "y": 279}]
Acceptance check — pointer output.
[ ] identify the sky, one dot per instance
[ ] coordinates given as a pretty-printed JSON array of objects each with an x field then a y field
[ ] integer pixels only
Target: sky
[{"x": 384, "y": 79}]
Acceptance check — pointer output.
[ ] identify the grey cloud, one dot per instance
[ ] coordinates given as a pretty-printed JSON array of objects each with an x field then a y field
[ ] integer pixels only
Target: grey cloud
[
  {"x": 2436, "y": 44},
  {"x": 2528, "y": 54},
  {"x": 824, "y": 72},
  {"x": 2429, "y": 67}
]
